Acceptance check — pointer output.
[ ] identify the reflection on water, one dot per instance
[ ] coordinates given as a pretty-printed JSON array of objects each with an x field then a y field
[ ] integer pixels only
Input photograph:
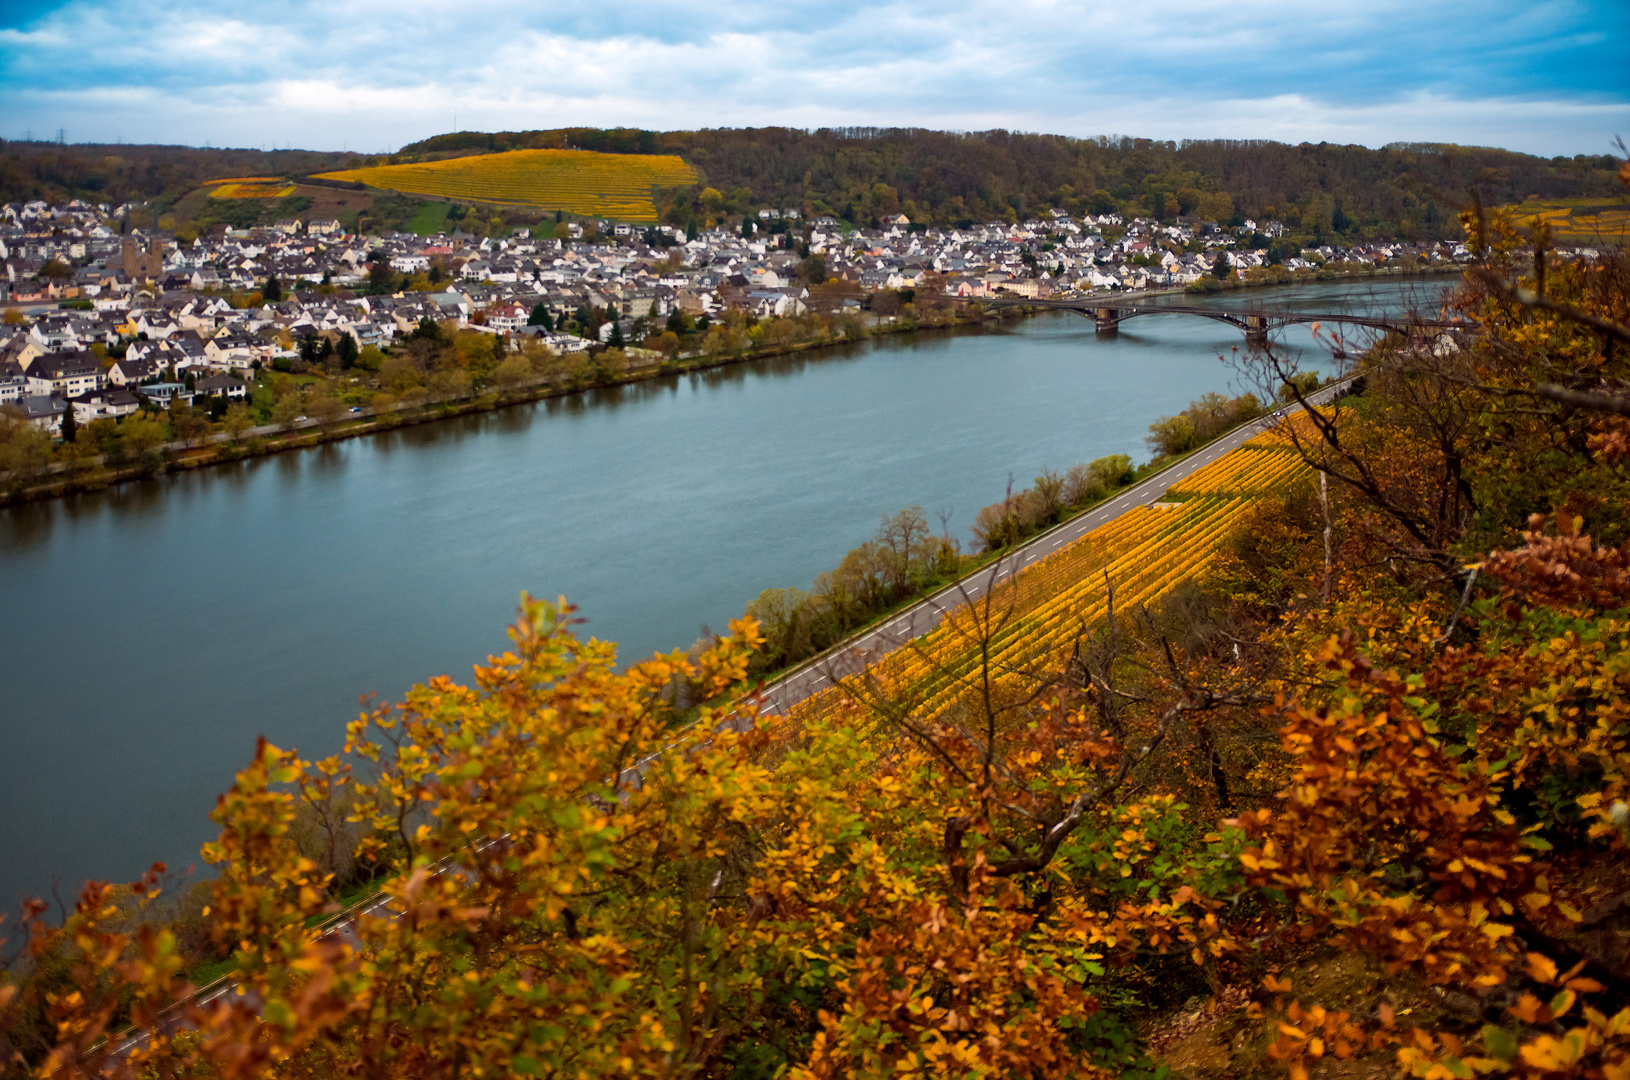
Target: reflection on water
[{"x": 156, "y": 628}]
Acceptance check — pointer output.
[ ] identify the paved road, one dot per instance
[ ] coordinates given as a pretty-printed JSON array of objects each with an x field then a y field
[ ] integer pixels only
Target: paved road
[{"x": 855, "y": 655}]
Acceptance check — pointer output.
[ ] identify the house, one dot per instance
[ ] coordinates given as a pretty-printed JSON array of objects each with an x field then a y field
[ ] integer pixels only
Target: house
[
  {"x": 65, "y": 374},
  {"x": 43, "y": 411},
  {"x": 507, "y": 318},
  {"x": 20, "y": 350},
  {"x": 221, "y": 386},
  {"x": 129, "y": 372},
  {"x": 11, "y": 382},
  {"x": 288, "y": 226},
  {"x": 101, "y": 404},
  {"x": 329, "y": 227},
  {"x": 161, "y": 394}
]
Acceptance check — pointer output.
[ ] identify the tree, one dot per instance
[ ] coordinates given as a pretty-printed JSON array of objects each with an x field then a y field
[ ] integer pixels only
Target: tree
[
  {"x": 381, "y": 278},
  {"x": 813, "y": 269},
  {"x": 144, "y": 433},
  {"x": 1222, "y": 266},
  {"x": 70, "y": 425},
  {"x": 512, "y": 372},
  {"x": 435, "y": 273},
  {"x": 616, "y": 340},
  {"x": 1111, "y": 471},
  {"x": 272, "y": 291},
  {"x": 540, "y": 316},
  {"x": 289, "y": 406},
  {"x": 326, "y": 408},
  {"x": 348, "y": 352},
  {"x": 236, "y": 421}
]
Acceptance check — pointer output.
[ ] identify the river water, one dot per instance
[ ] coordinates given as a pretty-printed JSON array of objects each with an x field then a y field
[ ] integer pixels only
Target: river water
[{"x": 151, "y": 631}]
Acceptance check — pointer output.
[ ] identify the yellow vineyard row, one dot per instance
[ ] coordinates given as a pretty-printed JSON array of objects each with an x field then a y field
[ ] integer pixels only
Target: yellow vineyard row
[
  {"x": 578, "y": 181},
  {"x": 276, "y": 189},
  {"x": 1035, "y": 618}
]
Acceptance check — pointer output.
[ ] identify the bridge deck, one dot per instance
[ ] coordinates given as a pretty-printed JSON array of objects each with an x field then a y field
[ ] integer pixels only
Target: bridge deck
[{"x": 1111, "y": 311}]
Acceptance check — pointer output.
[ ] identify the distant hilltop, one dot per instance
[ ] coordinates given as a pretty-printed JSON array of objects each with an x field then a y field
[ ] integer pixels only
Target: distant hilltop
[{"x": 1327, "y": 193}]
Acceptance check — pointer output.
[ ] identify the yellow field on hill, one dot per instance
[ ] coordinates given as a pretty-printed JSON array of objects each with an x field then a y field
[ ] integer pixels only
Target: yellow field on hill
[
  {"x": 266, "y": 188},
  {"x": 1580, "y": 221},
  {"x": 583, "y": 182},
  {"x": 1145, "y": 552}
]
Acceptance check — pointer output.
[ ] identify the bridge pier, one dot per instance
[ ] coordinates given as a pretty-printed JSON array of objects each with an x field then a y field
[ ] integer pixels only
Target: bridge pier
[
  {"x": 1256, "y": 329},
  {"x": 1108, "y": 320}
]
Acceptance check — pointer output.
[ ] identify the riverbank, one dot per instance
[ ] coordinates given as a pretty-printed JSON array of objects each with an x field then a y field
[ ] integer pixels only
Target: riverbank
[{"x": 221, "y": 448}]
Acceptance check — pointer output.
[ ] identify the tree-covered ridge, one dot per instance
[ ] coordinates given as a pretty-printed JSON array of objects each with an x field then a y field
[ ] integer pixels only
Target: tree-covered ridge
[
  {"x": 1390, "y": 724},
  {"x": 1324, "y": 192}
]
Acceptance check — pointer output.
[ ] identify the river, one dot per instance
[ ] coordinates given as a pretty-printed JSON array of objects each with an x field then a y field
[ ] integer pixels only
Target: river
[{"x": 153, "y": 630}]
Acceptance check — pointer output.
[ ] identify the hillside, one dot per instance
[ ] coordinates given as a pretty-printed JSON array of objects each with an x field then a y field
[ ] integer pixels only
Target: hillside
[
  {"x": 1323, "y": 193},
  {"x": 580, "y": 182}
]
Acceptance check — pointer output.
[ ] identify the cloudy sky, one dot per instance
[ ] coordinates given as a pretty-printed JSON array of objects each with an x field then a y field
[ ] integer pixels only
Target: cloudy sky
[{"x": 1545, "y": 77}]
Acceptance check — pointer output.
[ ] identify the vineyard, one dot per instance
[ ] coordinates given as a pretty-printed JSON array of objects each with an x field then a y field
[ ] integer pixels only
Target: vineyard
[
  {"x": 253, "y": 187},
  {"x": 582, "y": 182},
  {"x": 1580, "y": 221},
  {"x": 1044, "y": 609}
]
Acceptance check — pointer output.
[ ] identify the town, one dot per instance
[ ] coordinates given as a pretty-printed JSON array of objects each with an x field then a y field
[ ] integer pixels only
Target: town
[{"x": 103, "y": 321}]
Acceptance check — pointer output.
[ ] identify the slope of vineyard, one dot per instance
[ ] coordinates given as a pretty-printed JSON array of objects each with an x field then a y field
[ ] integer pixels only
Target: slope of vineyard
[
  {"x": 1038, "y": 614},
  {"x": 1579, "y": 221},
  {"x": 253, "y": 188},
  {"x": 583, "y": 182}
]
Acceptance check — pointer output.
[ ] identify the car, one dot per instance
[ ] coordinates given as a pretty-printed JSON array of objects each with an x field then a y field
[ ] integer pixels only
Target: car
[
  {"x": 356, "y": 408},
  {"x": 297, "y": 419}
]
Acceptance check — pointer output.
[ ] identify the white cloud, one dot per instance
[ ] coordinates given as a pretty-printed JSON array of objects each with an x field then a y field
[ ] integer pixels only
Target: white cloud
[{"x": 377, "y": 73}]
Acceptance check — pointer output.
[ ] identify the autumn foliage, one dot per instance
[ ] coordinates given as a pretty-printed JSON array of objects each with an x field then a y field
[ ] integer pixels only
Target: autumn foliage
[{"x": 1386, "y": 715}]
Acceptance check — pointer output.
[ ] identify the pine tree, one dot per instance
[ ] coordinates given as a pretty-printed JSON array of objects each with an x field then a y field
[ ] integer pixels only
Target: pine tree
[{"x": 70, "y": 426}]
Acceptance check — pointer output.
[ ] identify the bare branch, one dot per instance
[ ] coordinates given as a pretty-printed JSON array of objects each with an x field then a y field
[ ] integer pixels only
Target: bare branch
[{"x": 1618, "y": 404}]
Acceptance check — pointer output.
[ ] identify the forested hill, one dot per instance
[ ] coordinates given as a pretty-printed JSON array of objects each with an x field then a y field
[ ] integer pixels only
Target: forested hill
[
  {"x": 122, "y": 173},
  {"x": 1321, "y": 191},
  {"x": 945, "y": 177}
]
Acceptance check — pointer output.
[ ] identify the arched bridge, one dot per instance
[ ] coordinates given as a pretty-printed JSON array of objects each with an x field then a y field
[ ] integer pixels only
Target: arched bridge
[{"x": 1108, "y": 313}]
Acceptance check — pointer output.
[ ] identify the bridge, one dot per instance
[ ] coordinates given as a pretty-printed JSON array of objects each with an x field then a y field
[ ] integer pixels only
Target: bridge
[{"x": 1108, "y": 313}]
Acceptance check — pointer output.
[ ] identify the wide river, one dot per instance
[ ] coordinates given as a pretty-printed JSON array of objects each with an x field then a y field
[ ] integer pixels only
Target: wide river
[{"x": 153, "y": 630}]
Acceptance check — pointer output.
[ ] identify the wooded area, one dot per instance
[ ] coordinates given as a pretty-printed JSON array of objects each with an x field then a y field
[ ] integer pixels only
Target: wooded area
[{"x": 1324, "y": 192}]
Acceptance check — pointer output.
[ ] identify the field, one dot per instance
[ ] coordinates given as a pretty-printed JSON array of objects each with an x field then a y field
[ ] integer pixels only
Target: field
[
  {"x": 1580, "y": 221},
  {"x": 1042, "y": 611},
  {"x": 430, "y": 219},
  {"x": 581, "y": 182},
  {"x": 269, "y": 188}
]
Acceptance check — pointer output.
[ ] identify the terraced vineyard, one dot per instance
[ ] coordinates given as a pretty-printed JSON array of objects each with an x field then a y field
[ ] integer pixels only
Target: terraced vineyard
[
  {"x": 1580, "y": 221},
  {"x": 616, "y": 186},
  {"x": 1145, "y": 552}
]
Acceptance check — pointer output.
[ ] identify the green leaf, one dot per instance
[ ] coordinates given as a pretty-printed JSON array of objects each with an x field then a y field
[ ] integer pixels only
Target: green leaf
[
  {"x": 1500, "y": 1042},
  {"x": 522, "y": 1065}
]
